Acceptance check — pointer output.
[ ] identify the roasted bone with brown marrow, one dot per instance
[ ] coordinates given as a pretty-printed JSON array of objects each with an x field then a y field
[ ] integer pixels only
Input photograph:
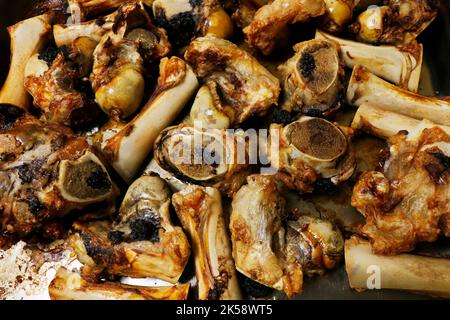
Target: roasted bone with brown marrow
[
  {"x": 401, "y": 65},
  {"x": 143, "y": 242},
  {"x": 207, "y": 157},
  {"x": 312, "y": 148},
  {"x": 365, "y": 87},
  {"x": 313, "y": 78},
  {"x": 185, "y": 20},
  {"x": 397, "y": 22},
  {"x": 270, "y": 20},
  {"x": 71, "y": 286},
  {"x": 258, "y": 236},
  {"x": 245, "y": 85},
  {"x": 28, "y": 37},
  {"x": 46, "y": 172},
  {"x": 200, "y": 212},
  {"x": 399, "y": 210}
]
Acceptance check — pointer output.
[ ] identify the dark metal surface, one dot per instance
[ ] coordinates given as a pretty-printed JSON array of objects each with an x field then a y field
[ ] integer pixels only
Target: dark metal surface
[{"x": 436, "y": 80}]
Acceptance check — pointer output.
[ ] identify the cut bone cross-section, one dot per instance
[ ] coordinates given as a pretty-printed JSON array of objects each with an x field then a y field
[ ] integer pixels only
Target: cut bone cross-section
[
  {"x": 365, "y": 87},
  {"x": 246, "y": 87},
  {"x": 313, "y": 78},
  {"x": 143, "y": 242},
  {"x": 200, "y": 211},
  {"x": 312, "y": 148},
  {"x": 271, "y": 20},
  {"x": 400, "y": 65}
]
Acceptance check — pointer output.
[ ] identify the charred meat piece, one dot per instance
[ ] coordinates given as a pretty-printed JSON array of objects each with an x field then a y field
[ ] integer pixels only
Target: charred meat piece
[
  {"x": 269, "y": 21},
  {"x": 142, "y": 242},
  {"x": 313, "y": 78},
  {"x": 200, "y": 212},
  {"x": 245, "y": 86},
  {"x": 407, "y": 202},
  {"x": 71, "y": 286},
  {"x": 185, "y": 20},
  {"x": 215, "y": 157},
  {"x": 58, "y": 88},
  {"x": 46, "y": 172},
  {"x": 310, "y": 149},
  {"x": 397, "y": 22}
]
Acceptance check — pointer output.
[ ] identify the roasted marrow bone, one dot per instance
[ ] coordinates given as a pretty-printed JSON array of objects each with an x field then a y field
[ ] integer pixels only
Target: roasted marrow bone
[
  {"x": 316, "y": 244},
  {"x": 119, "y": 65},
  {"x": 270, "y": 20},
  {"x": 312, "y": 148},
  {"x": 130, "y": 15},
  {"x": 385, "y": 124},
  {"x": 28, "y": 37},
  {"x": 200, "y": 211},
  {"x": 365, "y": 87},
  {"x": 397, "y": 22},
  {"x": 46, "y": 172},
  {"x": 71, "y": 286},
  {"x": 399, "y": 211},
  {"x": 126, "y": 146},
  {"x": 207, "y": 157},
  {"x": 258, "y": 236},
  {"x": 185, "y": 20},
  {"x": 142, "y": 242},
  {"x": 402, "y": 272},
  {"x": 245, "y": 86},
  {"x": 401, "y": 65},
  {"x": 312, "y": 78},
  {"x": 57, "y": 86}
]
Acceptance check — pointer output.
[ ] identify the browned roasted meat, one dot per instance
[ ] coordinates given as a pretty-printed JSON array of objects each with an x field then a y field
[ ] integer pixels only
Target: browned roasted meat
[
  {"x": 310, "y": 149},
  {"x": 200, "y": 211},
  {"x": 223, "y": 161},
  {"x": 270, "y": 20},
  {"x": 258, "y": 236},
  {"x": 407, "y": 202},
  {"x": 71, "y": 286},
  {"x": 57, "y": 86},
  {"x": 397, "y": 22},
  {"x": 46, "y": 172},
  {"x": 246, "y": 86},
  {"x": 143, "y": 242}
]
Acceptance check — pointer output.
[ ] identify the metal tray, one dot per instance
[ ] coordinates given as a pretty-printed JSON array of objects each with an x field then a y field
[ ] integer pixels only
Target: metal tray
[{"x": 434, "y": 81}]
